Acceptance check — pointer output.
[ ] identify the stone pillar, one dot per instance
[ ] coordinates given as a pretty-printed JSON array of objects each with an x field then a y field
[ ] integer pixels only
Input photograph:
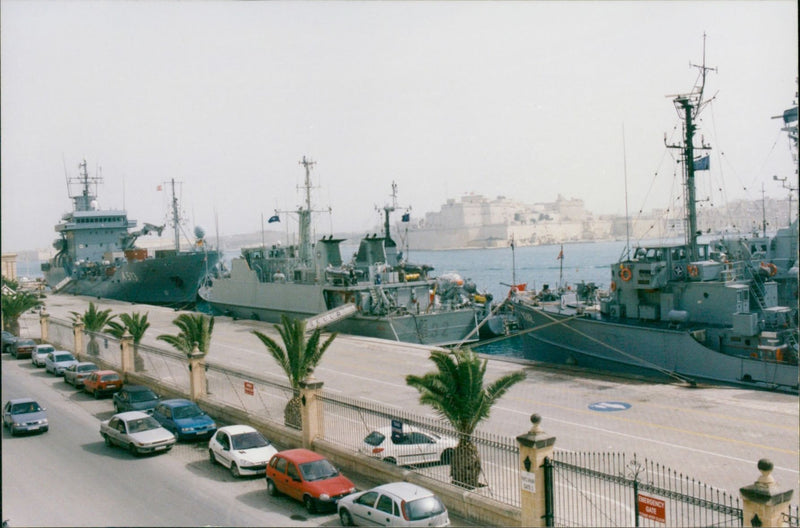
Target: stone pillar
[
  {"x": 44, "y": 322},
  {"x": 126, "y": 350},
  {"x": 77, "y": 331},
  {"x": 197, "y": 374},
  {"x": 534, "y": 447},
  {"x": 311, "y": 409},
  {"x": 762, "y": 502}
]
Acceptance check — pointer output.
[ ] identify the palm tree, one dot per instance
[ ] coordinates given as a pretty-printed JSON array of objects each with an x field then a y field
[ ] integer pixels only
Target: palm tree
[
  {"x": 14, "y": 305},
  {"x": 136, "y": 324},
  {"x": 298, "y": 355},
  {"x": 195, "y": 329},
  {"x": 93, "y": 320},
  {"x": 456, "y": 391}
]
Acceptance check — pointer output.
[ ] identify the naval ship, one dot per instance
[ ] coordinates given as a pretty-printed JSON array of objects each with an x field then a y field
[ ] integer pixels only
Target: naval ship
[
  {"x": 96, "y": 254},
  {"x": 700, "y": 313},
  {"x": 377, "y": 294}
]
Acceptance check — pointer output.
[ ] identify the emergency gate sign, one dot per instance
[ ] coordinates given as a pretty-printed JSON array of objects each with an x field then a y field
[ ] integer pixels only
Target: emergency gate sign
[
  {"x": 248, "y": 388},
  {"x": 653, "y": 509}
]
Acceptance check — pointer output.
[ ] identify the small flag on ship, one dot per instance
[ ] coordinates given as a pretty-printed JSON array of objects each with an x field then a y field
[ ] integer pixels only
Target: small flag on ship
[
  {"x": 560, "y": 254},
  {"x": 702, "y": 163},
  {"x": 406, "y": 217},
  {"x": 273, "y": 218}
]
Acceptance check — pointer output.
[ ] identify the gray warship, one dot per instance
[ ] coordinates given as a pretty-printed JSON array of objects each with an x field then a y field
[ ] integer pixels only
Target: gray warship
[
  {"x": 96, "y": 254},
  {"x": 377, "y": 294},
  {"x": 700, "y": 313}
]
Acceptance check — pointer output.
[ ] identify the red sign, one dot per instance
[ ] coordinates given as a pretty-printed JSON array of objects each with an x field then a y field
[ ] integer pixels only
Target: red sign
[
  {"x": 248, "y": 388},
  {"x": 653, "y": 509}
]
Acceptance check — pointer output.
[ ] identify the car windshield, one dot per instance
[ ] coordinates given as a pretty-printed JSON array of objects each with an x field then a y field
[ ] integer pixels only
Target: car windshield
[
  {"x": 187, "y": 411},
  {"x": 25, "y": 342},
  {"x": 44, "y": 350},
  {"x": 110, "y": 377},
  {"x": 145, "y": 395},
  {"x": 87, "y": 368},
  {"x": 374, "y": 438},
  {"x": 140, "y": 425},
  {"x": 424, "y": 508},
  {"x": 24, "y": 408},
  {"x": 250, "y": 440},
  {"x": 65, "y": 357},
  {"x": 318, "y": 470}
]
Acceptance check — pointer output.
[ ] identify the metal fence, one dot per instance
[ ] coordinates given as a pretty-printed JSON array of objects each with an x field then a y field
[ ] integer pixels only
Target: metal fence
[
  {"x": 791, "y": 517},
  {"x": 349, "y": 421},
  {"x": 608, "y": 489},
  {"x": 244, "y": 390}
]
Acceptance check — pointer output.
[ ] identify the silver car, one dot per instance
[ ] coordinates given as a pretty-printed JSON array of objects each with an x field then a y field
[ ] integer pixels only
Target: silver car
[
  {"x": 25, "y": 415},
  {"x": 393, "y": 504},
  {"x": 58, "y": 361},
  {"x": 138, "y": 432},
  {"x": 40, "y": 353},
  {"x": 75, "y": 374}
]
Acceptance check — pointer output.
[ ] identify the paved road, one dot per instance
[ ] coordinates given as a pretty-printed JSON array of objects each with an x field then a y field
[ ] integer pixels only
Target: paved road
[
  {"x": 712, "y": 434},
  {"x": 68, "y": 477}
]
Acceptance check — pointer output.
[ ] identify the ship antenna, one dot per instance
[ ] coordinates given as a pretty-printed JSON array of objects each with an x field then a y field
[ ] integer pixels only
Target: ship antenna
[
  {"x": 176, "y": 217},
  {"x": 627, "y": 216},
  {"x": 689, "y": 107}
]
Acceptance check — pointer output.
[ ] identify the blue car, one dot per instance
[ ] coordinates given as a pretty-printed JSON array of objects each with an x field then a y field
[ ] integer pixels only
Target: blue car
[{"x": 184, "y": 419}]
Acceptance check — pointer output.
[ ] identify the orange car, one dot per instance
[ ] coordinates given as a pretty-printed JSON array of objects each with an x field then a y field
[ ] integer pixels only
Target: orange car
[
  {"x": 102, "y": 382},
  {"x": 308, "y": 477}
]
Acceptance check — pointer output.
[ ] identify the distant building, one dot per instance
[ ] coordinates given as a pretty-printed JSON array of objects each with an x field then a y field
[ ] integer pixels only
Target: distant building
[{"x": 9, "y": 266}]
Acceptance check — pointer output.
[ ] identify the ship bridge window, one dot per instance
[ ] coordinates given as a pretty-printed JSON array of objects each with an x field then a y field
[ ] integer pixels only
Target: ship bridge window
[{"x": 655, "y": 254}]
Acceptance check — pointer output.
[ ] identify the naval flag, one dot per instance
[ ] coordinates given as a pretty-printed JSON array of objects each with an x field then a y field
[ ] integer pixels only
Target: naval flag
[
  {"x": 274, "y": 218},
  {"x": 702, "y": 163}
]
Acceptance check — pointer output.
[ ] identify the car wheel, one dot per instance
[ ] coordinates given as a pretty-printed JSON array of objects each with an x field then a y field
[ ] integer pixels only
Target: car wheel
[
  {"x": 108, "y": 440},
  {"x": 132, "y": 449},
  {"x": 211, "y": 457},
  {"x": 272, "y": 489},
  {"x": 96, "y": 395},
  {"x": 344, "y": 518},
  {"x": 235, "y": 470},
  {"x": 13, "y": 432},
  {"x": 447, "y": 456},
  {"x": 308, "y": 502}
]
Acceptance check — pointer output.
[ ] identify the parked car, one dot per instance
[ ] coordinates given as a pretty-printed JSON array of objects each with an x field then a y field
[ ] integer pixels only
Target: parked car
[
  {"x": 39, "y": 354},
  {"x": 394, "y": 504},
  {"x": 102, "y": 382},
  {"x": 185, "y": 419},
  {"x": 135, "y": 398},
  {"x": 241, "y": 449},
  {"x": 136, "y": 431},
  {"x": 77, "y": 373},
  {"x": 308, "y": 477},
  {"x": 25, "y": 415},
  {"x": 23, "y": 348},
  {"x": 409, "y": 446},
  {"x": 8, "y": 340},
  {"x": 58, "y": 361}
]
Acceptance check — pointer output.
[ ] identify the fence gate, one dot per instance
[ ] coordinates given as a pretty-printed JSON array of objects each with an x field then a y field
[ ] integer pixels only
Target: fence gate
[{"x": 605, "y": 489}]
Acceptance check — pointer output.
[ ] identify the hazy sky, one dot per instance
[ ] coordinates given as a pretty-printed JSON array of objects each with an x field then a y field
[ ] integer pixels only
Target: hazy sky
[{"x": 522, "y": 99}]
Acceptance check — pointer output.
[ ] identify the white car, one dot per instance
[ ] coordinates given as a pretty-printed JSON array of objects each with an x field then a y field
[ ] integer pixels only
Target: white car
[
  {"x": 393, "y": 504},
  {"x": 138, "y": 432},
  {"x": 57, "y": 362},
  {"x": 242, "y": 449},
  {"x": 409, "y": 445},
  {"x": 40, "y": 353}
]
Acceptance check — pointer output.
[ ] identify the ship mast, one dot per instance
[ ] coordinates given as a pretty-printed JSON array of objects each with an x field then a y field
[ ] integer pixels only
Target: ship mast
[
  {"x": 305, "y": 214},
  {"x": 83, "y": 201},
  {"x": 689, "y": 107},
  {"x": 176, "y": 218},
  {"x": 387, "y": 209}
]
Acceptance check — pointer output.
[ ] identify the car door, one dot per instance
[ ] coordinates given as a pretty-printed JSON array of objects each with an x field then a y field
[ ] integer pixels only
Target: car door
[
  {"x": 421, "y": 448},
  {"x": 7, "y": 414},
  {"x": 113, "y": 431},
  {"x": 223, "y": 448},
  {"x": 387, "y": 512},
  {"x": 165, "y": 418},
  {"x": 363, "y": 509},
  {"x": 294, "y": 483},
  {"x": 277, "y": 472}
]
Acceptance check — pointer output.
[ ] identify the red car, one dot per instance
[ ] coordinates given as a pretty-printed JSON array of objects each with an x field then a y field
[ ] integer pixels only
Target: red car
[
  {"x": 308, "y": 477},
  {"x": 102, "y": 382}
]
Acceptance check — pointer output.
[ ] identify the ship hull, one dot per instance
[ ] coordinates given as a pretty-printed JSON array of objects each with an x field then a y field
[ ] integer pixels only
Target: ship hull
[
  {"x": 169, "y": 280},
  {"x": 269, "y": 301},
  {"x": 661, "y": 353}
]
